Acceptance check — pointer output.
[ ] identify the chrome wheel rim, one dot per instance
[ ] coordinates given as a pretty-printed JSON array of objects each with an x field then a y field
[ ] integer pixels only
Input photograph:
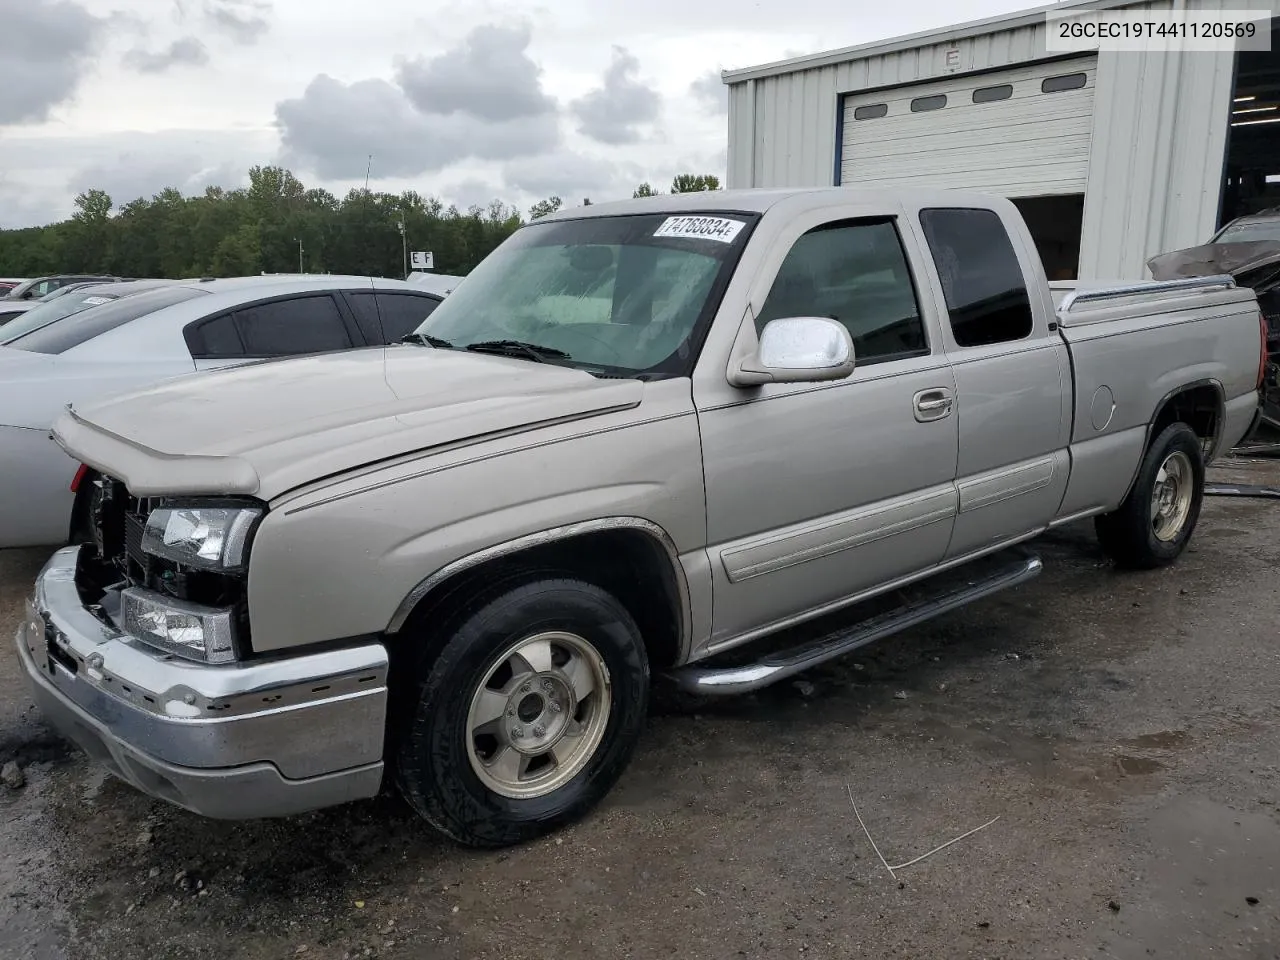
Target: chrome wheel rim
[
  {"x": 538, "y": 715},
  {"x": 1171, "y": 496}
]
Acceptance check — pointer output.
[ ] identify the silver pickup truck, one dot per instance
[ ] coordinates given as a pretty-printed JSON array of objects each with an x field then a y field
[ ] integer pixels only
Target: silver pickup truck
[{"x": 652, "y": 437}]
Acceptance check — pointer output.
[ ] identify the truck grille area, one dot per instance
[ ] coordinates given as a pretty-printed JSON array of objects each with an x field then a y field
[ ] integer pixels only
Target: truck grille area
[{"x": 114, "y": 560}]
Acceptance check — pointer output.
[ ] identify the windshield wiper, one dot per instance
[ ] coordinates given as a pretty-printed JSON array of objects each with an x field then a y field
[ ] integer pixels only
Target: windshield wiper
[
  {"x": 518, "y": 348},
  {"x": 426, "y": 340}
]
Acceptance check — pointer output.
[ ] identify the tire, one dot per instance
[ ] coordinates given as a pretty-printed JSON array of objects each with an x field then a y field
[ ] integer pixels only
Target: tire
[
  {"x": 464, "y": 771},
  {"x": 1131, "y": 535}
]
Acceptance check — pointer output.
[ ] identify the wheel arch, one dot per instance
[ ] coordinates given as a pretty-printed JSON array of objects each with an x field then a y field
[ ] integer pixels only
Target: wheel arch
[
  {"x": 627, "y": 556},
  {"x": 1201, "y": 404}
]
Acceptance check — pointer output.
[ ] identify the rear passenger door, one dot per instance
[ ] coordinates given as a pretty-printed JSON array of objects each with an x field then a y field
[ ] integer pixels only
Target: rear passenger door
[
  {"x": 282, "y": 327},
  {"x": 1012, "y": 378},
  {"x": 388, "y": 317}
]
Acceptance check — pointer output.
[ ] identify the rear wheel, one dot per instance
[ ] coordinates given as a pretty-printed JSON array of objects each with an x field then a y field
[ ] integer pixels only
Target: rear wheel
[
  {"x": 1153, "y": 525},
  {"x": 528, "y": 715}
]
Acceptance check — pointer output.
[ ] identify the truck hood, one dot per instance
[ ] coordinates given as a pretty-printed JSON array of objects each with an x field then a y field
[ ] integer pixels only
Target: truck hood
[{"x": 261, "y": 429}]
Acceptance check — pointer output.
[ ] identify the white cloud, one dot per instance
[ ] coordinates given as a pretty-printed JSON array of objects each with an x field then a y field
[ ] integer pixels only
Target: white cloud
[{"x": 444, "y": 94}]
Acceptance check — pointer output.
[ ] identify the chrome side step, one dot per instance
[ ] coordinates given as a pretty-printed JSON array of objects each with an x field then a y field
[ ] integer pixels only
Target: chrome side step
[{"x": 706, "y": 679}]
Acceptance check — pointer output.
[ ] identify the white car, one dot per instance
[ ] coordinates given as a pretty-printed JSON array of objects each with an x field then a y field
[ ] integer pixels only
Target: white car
[
  {"x": 169, "y": 331},
  {"x": 441, "y": 283},
  {"x": 66, "y": 301}
]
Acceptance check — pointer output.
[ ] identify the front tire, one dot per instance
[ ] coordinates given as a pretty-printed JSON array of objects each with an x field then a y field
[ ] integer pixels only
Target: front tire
[
  {"x": 1153, "y": 525},
  {"x": 528, "y": 715}
]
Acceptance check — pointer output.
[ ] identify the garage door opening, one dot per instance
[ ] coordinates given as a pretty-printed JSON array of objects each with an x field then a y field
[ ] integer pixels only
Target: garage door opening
[
  {"x": 1024, "y": 133},
  {"x": 1055, "y": 224},
  {"x": 1252, "y": 181}
]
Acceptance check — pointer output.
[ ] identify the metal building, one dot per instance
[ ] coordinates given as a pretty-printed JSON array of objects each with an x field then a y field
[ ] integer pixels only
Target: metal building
[{"x": 1113, "y": 157}]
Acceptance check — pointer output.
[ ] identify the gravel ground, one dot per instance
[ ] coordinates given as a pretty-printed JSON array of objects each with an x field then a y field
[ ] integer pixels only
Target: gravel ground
[{"x": 1124, "y": 729}]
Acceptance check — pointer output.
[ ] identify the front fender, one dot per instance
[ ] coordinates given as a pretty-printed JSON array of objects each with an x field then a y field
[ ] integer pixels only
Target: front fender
[{"x": 342, "y": 561}]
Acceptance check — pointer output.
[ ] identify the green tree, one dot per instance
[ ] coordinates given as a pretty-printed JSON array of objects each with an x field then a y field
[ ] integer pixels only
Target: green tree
[
  {"x": 694, "y": 183},
  {"x": 237, "y": 254},
  {"x": 227, "y": 232},
  {"x": 544, "y": 207},
  {"x": 93, "y": 207},
  {"x": 644, "y": 190}
]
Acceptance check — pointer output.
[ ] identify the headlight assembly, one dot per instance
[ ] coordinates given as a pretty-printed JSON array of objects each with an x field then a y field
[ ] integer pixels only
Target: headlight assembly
[
  {"x": 188, "y": 630},
  {"x": 209, "y": 538}
]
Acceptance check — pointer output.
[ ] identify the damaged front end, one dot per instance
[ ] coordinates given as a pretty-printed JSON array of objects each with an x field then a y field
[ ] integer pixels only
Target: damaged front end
[{"x": 1253, "y": 264}]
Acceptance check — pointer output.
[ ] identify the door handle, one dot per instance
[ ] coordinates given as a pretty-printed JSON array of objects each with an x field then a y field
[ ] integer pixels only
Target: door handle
[{"x": 933, "y": 404}]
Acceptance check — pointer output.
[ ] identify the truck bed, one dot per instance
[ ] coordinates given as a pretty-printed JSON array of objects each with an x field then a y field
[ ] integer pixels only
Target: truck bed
[{"x": 1203, "y": 332}]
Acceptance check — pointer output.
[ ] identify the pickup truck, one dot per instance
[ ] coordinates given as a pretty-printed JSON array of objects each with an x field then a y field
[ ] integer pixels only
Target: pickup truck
[{"x": 664, "y": 437}]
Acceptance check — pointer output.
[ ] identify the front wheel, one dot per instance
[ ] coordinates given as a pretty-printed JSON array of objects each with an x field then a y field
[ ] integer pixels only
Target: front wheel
[
  {"x": 1152, "y": 526},
  {"x": 528, "y": 715}
]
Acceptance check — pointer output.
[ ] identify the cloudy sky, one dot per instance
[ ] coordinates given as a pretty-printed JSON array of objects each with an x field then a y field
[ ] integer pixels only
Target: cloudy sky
[{"x": 467, "y": 100}]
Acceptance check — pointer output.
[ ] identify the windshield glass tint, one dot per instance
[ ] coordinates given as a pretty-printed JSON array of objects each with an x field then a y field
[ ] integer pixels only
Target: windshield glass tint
[
  {"x": 1251, "y": 232},
  {"x": 62, "y": 335},
  {"x": 46, "y": 313},
  {"x": 619, "y": 294}
]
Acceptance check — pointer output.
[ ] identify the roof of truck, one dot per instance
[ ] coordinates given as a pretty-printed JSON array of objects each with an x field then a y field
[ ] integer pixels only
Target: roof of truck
[{"x": 759, "y": 200}]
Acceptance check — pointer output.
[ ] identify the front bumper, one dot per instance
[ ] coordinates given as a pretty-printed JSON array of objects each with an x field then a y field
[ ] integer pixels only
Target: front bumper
[{"x": 258, "y": 739}]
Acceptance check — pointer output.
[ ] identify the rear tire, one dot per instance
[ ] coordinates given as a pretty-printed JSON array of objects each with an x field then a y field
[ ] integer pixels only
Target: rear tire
[
  {"x": 1155, "y": 522},
  {"x": 528, "y": 715}
]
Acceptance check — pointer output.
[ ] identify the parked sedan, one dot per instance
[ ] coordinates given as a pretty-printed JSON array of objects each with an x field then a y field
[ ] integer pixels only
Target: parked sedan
[
  {"x": 164, "y": 332},
  {"x": 69, "y": 301},
  {"x": 37, "y": 288}
]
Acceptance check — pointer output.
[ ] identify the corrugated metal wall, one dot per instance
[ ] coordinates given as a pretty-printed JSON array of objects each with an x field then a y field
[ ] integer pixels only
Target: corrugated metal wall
[
  {"x": 794, "y": 133},
  {"x": 1159, "y": 140},
  {"x": 1159, "y": 133}
]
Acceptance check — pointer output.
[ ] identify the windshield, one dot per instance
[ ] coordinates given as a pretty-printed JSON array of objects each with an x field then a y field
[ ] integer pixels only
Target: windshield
[
  {"x": 619, "y": 295},
  {"x": 1250, "y": 232},
  {"x": 52, "y": 310}
]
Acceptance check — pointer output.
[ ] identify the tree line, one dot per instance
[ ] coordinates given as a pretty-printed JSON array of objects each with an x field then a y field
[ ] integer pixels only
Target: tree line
[{"x": 275, "y": 225}]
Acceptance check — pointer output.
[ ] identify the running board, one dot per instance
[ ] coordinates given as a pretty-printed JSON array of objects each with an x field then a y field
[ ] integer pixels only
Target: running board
[{"x": 705, "y": 679}]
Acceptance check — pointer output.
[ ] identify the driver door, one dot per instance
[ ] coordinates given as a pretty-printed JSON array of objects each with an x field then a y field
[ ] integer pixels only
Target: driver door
[{"x": 818, "y": 492}]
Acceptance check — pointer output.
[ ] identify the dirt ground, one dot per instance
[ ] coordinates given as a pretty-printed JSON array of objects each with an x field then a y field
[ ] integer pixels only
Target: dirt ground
[{"x": 1124, "y": 729}]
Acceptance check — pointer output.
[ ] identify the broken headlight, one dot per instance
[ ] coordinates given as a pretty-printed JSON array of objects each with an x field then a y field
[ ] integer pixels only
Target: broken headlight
[
  {"x": 208, "y": 538},
  {"x": 188, "y": 630}
]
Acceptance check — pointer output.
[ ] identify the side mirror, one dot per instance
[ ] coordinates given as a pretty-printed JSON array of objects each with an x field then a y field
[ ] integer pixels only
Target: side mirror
[{"x": 797, "y": 350}]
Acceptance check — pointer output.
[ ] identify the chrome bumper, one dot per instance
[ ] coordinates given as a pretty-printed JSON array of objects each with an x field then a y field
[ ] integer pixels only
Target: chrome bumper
[{"x": 258, "y": 739}]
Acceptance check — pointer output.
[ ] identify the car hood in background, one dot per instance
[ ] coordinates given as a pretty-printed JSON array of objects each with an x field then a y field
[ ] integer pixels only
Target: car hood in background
[
  {"x": 1255, "y": 264},
  {"x": 262, "y": 429}
]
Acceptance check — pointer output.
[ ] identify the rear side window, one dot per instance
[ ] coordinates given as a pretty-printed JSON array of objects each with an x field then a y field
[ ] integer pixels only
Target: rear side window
[
  {"x": 982, "y": 280},
  {"x": 62, "y": 335},
  {"x": 286, "y": 327},
  {"x": 388, "y": 317},
  {"x": 855, "y": 272},
  {"x": 215, "y": 339}
]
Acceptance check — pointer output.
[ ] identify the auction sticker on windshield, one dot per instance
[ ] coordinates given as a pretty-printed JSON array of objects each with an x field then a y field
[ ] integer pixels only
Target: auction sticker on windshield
[{"x": 719, "y": 229}]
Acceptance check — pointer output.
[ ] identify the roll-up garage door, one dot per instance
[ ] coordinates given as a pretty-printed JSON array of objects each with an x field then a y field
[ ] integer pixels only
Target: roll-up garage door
[{"x": 1022, "y": 132}]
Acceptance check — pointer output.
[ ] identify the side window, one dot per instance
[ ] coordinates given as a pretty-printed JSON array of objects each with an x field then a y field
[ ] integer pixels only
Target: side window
[
  {"x": 388, "y": 317},
  {"x": 982, "y": 280},
  {"x": 214, "y": 339},
  {"x": 287, "y": 327},
  {"x": 855, "y": 272}
]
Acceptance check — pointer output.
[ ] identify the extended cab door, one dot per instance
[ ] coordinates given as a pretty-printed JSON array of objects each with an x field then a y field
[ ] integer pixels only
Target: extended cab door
[
  {"x": 1013, "y": 378},
  {"x": 817, "y": 492}
]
